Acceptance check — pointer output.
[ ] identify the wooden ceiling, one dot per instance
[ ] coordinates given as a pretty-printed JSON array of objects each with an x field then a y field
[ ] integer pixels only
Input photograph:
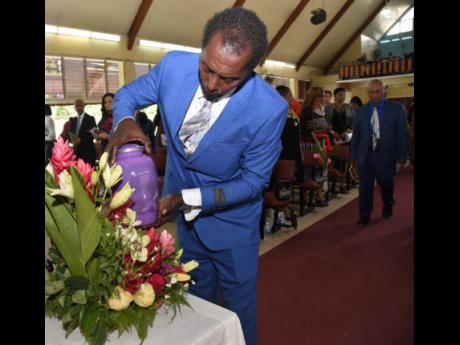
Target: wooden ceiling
[{"x": 293, "y": 38}]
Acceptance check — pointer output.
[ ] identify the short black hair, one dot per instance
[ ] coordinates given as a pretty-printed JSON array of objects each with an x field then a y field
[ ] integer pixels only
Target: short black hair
[
  {"x": 339, "y": 89},
  {"x": 283, "y": 90},
  {"x": 48, "y": 111},
  {"x": 328, "y": 92},
  {"x": 357, "y": 100},
  {"x": 240, "y": 28}
]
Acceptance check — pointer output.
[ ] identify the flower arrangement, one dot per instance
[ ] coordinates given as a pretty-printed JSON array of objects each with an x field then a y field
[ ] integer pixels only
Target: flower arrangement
[
  {"x": 104, "y": 273},
  {"x": 322, "y": 155}
]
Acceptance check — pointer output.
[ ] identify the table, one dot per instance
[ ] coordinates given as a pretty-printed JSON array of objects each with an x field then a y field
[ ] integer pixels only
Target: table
[{"x": 206, "y": 324}]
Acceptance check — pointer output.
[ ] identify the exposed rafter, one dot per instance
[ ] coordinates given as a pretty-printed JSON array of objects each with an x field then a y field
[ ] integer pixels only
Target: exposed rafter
[
  {"x": 323, "y": 33},
  {"x": 137, "y": 22},
  {"x": 285, "y": 28},
  {"x": 354, "y": 36},
  {"x": 239, "y": 3}
]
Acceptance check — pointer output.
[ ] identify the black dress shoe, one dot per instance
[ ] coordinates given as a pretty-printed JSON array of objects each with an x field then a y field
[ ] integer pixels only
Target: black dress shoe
[
  {"x": 364, "y": 221},
  {"x": 387, "y": 211}
]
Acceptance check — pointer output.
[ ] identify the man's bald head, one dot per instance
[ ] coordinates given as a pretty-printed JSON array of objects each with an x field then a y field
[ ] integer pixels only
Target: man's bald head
[
  {"x": 376, "y": 90},
  {"x": 79, "y": 106}
]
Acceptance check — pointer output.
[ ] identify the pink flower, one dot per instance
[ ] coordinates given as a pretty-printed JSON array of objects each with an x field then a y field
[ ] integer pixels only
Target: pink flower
[
  {"x": 85, "y": 170},
  {"x": 316, "y": 156},
  {"x": 166, "y": 243},
  {"x": 63, "y": 157},
  {"x": 153, "y": 239}
]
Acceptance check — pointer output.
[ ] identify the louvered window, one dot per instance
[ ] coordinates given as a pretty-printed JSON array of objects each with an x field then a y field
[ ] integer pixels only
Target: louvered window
[
  {"x": 95, "y": 79},
  {"x": 54, "y": 87},
  {"x": 74, "y": 78},
  {"x": 113, "y": 70}
]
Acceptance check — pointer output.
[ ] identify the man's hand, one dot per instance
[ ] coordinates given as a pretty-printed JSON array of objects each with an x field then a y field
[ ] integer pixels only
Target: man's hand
[
  {"x": 167, "y": 206},
  {"x": 399, "y": 165},
  {"x": 76, "y": 141},
  {"x": 127, "y": 131}
]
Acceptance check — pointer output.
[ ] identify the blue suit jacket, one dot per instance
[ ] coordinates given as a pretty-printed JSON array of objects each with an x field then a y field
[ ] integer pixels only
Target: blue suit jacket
[
  {"x": 393, "y": 133},
  {"x": 233, "y": 162}
]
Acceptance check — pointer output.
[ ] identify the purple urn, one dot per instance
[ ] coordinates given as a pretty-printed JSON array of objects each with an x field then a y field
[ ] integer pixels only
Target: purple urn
[{"x": 140, "y": 171}]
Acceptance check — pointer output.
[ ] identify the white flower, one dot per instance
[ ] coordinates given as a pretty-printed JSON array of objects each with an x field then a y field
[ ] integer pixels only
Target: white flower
[
  {"x": 140, "y": 255},
  {"x": 111, "y": 175},
  {"x": 144, "y": 296},
  {"x": 192, "y": 264},
  {"x": 166, "y": 296},
  {"x": 65, "y": 185},
  {"x": 122, "y": 301},
  {"x": 121, "y": 196},
  {"x": 103, "y": 161},
  {"x": 130, "y": 218},
  {"x": 173, "y": 280}
]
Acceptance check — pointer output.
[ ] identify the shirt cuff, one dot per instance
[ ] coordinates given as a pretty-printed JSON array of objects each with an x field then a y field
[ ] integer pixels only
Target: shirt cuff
[{"x": 192, "y": 197}]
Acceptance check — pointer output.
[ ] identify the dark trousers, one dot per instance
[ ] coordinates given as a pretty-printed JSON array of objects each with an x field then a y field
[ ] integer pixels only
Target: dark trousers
[{"x": 375, "y": 167}]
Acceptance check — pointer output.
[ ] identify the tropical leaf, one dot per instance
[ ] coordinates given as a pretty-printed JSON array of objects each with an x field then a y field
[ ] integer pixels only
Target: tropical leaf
[
  {"x": 65, "y": 222},
  {"x": 71, "y": 258},
  {"x": 88, "y": 222}
]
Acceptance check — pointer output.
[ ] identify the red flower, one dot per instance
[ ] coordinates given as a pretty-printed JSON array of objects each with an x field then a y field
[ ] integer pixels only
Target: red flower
[
  {"x": 152, "y": 266},
  {"x": 132, "y": 284},
  {"x": 119, "y": 213},
  {"x": 157, "y": 281},
  {"x": 153, "y": 239},
  {"x": 63, "y": 157}
]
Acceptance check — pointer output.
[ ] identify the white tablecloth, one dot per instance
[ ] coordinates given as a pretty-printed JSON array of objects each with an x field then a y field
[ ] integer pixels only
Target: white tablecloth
[{"x": 206, "y": 324}]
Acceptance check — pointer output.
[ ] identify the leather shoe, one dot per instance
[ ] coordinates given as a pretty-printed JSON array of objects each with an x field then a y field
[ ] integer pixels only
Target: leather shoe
[
  {"x": 364, "y": 221},
  {"x": 387, "y": 211}
]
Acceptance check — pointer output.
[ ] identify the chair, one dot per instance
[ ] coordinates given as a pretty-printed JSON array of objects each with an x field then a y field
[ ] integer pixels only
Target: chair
[
  {"x": 341, "y": 155},
  {"x": 309, "y": 184},
  {"x": 279, "y": 193}
]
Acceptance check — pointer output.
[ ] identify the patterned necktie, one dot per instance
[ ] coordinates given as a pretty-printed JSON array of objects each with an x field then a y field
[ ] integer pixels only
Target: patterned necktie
[
  {"x": 193, "y": 130},
  {"x": 79, "y": 121},
  {"x": 375, "y": 129}
]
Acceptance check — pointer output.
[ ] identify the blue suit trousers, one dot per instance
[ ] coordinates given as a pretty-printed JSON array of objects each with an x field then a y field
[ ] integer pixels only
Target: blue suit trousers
[
  {"x": 375, "y": 167},
  {"x": 227, "y": 277}
]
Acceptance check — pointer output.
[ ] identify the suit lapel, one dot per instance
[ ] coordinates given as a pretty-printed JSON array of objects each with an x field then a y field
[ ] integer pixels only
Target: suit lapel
[
  {"x": 228, "y": 116},
  {"x": 182, "y": 101}
]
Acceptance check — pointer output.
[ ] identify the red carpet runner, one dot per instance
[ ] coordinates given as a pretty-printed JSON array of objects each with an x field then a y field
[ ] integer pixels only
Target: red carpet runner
[{"x": 336, "y": 283}]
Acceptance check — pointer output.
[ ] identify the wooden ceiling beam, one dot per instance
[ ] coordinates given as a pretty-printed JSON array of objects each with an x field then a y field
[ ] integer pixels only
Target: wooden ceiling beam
[
  {"x": 299, "y": 8},
  {"x": 323, "y": 33},
  {"x": 137, "y": 22},
  {"x": 354, "y": 36},
  {"x": 239, "y": 3}
]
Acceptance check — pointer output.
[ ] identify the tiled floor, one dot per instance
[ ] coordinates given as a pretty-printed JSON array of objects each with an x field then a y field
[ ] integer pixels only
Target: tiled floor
[{"x": 280, "y": 236}]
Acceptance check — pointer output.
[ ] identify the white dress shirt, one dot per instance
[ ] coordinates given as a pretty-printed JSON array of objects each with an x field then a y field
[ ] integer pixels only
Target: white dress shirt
[
  {"x": 50, "y": 133},
  {"x": 192, "y": 197}
]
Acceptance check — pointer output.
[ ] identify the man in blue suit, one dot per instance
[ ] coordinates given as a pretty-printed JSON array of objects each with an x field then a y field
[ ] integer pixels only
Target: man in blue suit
[
  {"x": 379, "y": 148},
  {"x": 223, "y": 124}
]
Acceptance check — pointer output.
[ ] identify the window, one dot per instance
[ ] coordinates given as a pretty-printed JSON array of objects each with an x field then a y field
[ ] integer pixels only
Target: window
[
  {"x": 69, "y": 78},
  {"x": 141, "y": 68},
  {"x": 405, "y": 24},
  {"x": 54, "y": 87},
  {"x": 113, "y": 73},
  {"x": 95, "y": 78},
  {"x": 74, "y": 77}
]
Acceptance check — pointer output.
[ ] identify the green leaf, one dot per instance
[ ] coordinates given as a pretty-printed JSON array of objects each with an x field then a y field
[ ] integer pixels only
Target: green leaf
[
  {"x": 100, "y": 335},
  {"x": 79, "y": 297},
  {"x": 88, "y": 322},
  {"x": 61, "y": 242},
  {"x": 76, "y": 283},
  {"x": 65, "y": 223},
  {"x": 53, "y": 287},
  {"x": 89, "y": 224},
  {"x": 49, "y": 180},
  {"x": 93, "y": 272},
  {"x": 61, "y": 300}
]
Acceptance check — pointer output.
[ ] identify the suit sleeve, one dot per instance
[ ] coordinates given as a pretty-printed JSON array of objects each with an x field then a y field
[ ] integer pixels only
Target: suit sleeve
[
  {"x": 402, "y": 134},
  {"x": 256, "y": 164},
  {"x": 355, "y": 138},
  {"x": 138, "y": 94}
]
